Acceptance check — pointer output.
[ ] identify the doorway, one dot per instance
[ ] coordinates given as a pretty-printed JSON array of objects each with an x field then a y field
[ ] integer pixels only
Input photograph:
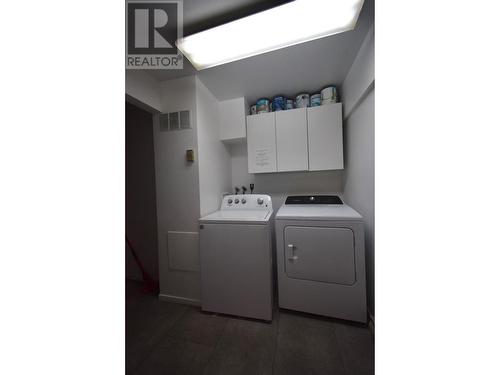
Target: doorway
[{"x": 140, "y": 193}]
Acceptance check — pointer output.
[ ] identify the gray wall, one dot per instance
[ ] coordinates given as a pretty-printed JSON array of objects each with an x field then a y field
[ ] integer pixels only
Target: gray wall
[
  {"x": 140, "y": 196},
  {"x": 359, "y": 133},
  {"x": 214, "y": 158},
  {"x": 359, "y": 145},
  {"x": 177, "y": 192},
  {"x": 143, "y": 88},
  {"x": 187, "y": 190}
]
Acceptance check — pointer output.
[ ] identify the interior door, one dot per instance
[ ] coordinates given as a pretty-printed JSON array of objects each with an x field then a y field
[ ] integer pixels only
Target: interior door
[{"x": 320, "y": 254}]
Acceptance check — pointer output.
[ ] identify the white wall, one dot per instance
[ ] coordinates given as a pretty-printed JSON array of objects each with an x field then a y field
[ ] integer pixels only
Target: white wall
[
  {"x": 359, "y": 144},
  {"x": 177, "y": 193},
  {"x": 214, "y": 159},
  {"x": 144, "y": 88},
  {"x": 239, "y": 166},
  {"x": 280, "y": 184},
  {"x": 187, "y": 190},
  {"x": 361, "y": 75}
]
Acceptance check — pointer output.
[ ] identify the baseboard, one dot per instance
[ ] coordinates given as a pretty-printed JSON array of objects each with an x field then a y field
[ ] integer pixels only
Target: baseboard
[{"x": 177, "y": 299}]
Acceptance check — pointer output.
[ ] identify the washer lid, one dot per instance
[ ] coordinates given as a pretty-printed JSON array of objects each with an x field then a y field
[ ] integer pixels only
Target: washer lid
[
  {"x": 245, "y": 216},
  {"x": 318, "y": 212}
]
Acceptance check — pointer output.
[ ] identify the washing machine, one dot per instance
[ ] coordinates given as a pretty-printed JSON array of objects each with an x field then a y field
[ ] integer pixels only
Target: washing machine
[
  {"x": 236, "y": 257},
  {"x": 321, "y": 257}
]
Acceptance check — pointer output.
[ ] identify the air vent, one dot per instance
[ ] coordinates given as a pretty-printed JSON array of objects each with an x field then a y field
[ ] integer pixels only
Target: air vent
[
  {"x": 185, "y": 123},
  {"x": 175, "y": 121},
  {"x": 173, "y": 118},
  {"x": 163, "y": 122}
]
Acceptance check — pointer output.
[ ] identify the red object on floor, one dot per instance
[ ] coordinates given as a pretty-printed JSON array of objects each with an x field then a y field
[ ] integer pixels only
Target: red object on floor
[{"x": 150, "y": 285}]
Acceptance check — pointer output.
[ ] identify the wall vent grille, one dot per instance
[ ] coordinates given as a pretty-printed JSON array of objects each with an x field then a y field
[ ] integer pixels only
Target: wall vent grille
[
  {"x": 184, "y": 120},
  {"x": 175, "y": 121},
  {"x": 163, "y": 122}
]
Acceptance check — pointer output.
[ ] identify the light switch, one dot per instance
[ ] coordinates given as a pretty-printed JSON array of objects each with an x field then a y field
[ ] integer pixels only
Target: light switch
[{"x": 190, "y": 155}]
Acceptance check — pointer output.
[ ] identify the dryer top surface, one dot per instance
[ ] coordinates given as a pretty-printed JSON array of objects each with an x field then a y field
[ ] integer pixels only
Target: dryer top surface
[{"x": 318, "y": 212}]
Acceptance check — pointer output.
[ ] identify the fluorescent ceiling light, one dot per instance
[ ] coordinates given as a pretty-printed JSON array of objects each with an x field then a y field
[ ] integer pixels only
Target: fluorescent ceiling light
[{"x": 293, "y": 23}]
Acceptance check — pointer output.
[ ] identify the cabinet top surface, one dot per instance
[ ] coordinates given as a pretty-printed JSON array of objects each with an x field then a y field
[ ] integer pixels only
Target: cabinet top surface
[{"x": 319, "y": 107}]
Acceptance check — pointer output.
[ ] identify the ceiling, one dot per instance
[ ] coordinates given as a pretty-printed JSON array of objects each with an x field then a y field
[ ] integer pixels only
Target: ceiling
[
  {"x": 305, "y": 67},
  {"x": 203, "y": 14}
]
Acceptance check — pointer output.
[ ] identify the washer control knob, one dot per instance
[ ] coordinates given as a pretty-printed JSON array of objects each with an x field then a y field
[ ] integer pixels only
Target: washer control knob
[
  {"x": 229, "y": 201},
  {"x": 236, "y": 201},
  {"x": 243, "y": 201},
  {"x": 260, "y": 200}
]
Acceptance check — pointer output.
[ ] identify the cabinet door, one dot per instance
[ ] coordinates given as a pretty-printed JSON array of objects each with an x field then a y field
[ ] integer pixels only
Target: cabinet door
[
  {"x": 232, "y": 115},
  {"x": 261, "y": 143},
  {"x": 291, "y": 140},
  {"x": 324, "y": 130}
]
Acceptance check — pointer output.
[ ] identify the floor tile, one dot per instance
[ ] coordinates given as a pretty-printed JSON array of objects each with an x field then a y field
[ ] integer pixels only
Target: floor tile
[
  {"x": 245, "y": 347},
  {"x": 146, "y": 325},
  {"x": 199, "y": 327},
  {"x": 168, "y": 338},
  {"x": 175, "y": 356},
  {"x": 357, "y": 348},
  {"x": 307, "y": 345},
  {"x": 153, "y": 321},
  {"x": 135, "y": 354},
  {"x": 135, "y": 297}
]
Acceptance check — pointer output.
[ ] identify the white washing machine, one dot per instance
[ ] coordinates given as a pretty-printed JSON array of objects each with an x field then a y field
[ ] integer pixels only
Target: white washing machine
[
  {"x": 236, "y": 257},
  {"x": 321, "y": 257}
]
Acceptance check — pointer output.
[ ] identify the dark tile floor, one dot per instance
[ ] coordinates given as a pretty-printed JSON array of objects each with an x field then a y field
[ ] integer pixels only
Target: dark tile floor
[{"x": 167, "y": 338}]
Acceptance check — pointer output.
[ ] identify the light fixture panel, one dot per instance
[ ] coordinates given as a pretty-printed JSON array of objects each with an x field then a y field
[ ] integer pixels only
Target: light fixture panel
[{"x": 296, "y": 22}]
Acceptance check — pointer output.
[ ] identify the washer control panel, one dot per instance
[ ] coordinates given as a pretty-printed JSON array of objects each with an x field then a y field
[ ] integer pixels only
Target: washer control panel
[{"x": 247, "y": 201}]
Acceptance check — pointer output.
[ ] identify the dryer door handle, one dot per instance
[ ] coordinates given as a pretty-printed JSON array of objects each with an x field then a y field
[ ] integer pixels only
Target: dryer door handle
[{"x": 292, "y": 248}]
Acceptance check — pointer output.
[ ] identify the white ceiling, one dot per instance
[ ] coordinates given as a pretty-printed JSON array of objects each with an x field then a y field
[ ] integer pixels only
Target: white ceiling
[{"x": 306, "y": 67}]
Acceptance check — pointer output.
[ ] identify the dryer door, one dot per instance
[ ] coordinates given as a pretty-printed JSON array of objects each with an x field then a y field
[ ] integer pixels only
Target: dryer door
[{"x": 320, "y": 254}]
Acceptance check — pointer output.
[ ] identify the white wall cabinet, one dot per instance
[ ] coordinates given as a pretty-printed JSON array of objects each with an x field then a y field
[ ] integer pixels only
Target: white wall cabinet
[
  {"x": 232, "y": 115},
  {"x": 261, "y": 143},
  {"x": 324, "y": 130},
  {"x": 296, "y": 140},
  {"x": 291, "y": 140}
]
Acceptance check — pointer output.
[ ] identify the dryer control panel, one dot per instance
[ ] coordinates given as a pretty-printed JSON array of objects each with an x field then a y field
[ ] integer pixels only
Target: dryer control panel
[
  {"x": 313, "y": 199},
  {"x": 247, "y": 202}
]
